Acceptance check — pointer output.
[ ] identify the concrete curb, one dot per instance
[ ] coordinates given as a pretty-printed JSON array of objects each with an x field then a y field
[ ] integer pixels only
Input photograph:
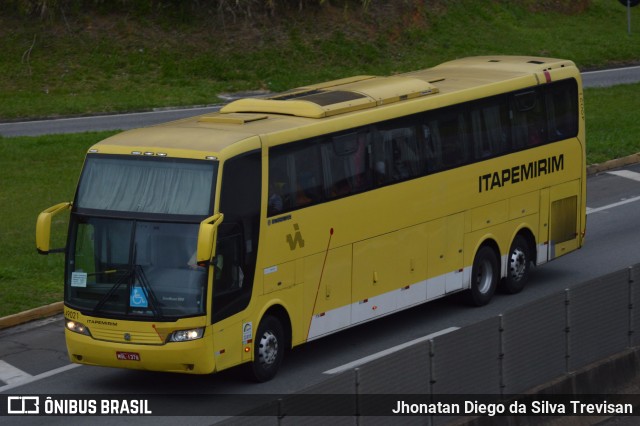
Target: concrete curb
[
  {"x": 31, "y": 314},
  {"x": 613, "y": 164},
  {"x": 56, "y": 308}
]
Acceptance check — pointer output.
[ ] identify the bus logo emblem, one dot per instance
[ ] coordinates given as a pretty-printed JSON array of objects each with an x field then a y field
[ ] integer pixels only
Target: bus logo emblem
[{"x": 297, "y": 240}]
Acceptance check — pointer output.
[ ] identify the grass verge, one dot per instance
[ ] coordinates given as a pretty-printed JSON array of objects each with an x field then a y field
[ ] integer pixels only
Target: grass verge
[{"x": 94, "y": 63}]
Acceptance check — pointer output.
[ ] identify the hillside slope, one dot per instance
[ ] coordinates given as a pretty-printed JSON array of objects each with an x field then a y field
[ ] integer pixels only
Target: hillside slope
[{"x": 66, "y": 60}]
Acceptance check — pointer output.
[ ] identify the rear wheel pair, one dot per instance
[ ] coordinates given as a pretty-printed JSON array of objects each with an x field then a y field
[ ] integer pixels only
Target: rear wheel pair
[{"x": 485, "y": 273}]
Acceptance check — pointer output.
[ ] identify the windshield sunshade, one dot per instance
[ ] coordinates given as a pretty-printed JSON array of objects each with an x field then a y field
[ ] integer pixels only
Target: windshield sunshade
[{"x": 146, "y": 185}]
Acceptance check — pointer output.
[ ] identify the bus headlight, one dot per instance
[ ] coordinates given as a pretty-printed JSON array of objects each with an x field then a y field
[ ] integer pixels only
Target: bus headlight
[
  {"x": 186, "y": 335},
  {"x": 77, "y": 327}
]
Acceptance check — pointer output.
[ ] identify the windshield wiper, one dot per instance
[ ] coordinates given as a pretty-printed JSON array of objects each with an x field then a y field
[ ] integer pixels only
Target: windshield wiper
[
  {"x": 153, "y": 300},
  {"x": 130, "y": 276},
  {"x": 124, "y": 278}
]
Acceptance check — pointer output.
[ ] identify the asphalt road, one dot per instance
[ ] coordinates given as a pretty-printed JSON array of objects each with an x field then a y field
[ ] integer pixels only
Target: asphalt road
[{"x": 141, "y": 119}]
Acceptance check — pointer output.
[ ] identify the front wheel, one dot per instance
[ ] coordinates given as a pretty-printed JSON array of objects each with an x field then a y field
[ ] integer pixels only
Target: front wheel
[
  {"x": 484, "y": 277},
  {"x": 268, "y": 350},
  {"x": 518, "y": 266}
]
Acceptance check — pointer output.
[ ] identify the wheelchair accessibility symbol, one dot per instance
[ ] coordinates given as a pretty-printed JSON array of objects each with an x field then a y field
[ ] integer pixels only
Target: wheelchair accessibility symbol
[{"x": 138, "y": 298}]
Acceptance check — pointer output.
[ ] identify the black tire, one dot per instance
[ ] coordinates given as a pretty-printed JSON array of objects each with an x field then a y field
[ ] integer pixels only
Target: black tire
[
  {"x": 485, "y": 274},
  {"x": 268, "y": 350},
  {"x": 518, "y": 266}
]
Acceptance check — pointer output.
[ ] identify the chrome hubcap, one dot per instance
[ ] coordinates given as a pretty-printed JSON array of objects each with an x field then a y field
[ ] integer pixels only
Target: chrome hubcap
[
  {"x": 517, "y": 264},
  {"x": 268, "y": 349}
]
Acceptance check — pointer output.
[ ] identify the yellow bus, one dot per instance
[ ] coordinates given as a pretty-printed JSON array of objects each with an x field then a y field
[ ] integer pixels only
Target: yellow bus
[{"x": 227, "y": 238}]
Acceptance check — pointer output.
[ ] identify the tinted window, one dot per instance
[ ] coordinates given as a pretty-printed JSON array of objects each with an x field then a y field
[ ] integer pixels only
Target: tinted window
[{"x": 345, "y": 163}]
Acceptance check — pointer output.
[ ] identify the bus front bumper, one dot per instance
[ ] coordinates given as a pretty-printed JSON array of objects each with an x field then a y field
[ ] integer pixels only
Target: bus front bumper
[{"x": 193, "y": 357}]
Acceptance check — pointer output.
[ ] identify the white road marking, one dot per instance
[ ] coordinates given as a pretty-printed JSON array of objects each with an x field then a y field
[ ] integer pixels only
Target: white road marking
[
  {"x": 10, "y": 374},
  {"x": 610, "y": 206},
  {"x": 27, "y": 378},
  {"x": 380, "y": 354},
  {"x": 628, "y": 174}
]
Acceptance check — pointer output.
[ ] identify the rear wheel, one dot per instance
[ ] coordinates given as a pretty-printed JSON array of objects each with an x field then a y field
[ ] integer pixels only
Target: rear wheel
[
  {"x": 268, "y": 349},
  {"x": 518, "y": 266},
  {"x": 484, "y": 277}
]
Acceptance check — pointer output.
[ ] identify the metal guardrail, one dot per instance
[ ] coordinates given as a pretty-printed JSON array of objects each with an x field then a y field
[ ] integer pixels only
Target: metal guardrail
[{"x": 509, "y": 354}]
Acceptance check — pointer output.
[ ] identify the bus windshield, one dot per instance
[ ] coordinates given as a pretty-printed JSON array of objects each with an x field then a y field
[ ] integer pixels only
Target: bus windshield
[
  {"x": 122, "y": 267},
  {"x": 133, "y": 237}
]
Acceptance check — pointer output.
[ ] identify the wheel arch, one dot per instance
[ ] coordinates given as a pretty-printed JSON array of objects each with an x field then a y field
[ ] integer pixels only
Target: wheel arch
[
  {"x": 278, "y": 311},
  {"x": 489, "y": 240},
  {"x": 525, "y": 232}
]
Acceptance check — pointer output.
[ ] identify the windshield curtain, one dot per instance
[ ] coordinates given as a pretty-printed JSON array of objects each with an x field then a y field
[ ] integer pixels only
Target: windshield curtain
[
  {"x": 147, "y": 185},
  {"x": 123, "y": 268}
]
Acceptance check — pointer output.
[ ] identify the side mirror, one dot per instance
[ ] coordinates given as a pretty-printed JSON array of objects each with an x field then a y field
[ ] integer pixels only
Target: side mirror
[
  {"x": 43, "y": 228},
  {"x": 206, "y": 237}
]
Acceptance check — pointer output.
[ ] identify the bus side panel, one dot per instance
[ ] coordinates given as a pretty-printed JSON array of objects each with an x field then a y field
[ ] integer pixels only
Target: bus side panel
[
  {"x": 389, "y": 273},
  {"x": 543, "y": 233},
  {"x": 564, "y": 218},
  {"x": 227, "y": 343},
  {"x": 327, "y": 292},
  {"x": 445, "y": 263}
]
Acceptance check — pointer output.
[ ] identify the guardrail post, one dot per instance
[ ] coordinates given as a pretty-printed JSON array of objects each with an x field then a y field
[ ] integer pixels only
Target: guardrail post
[
  {"x": 631, "y": 294},
  {"x": 280, "y": 413},
  {"x": 357, "y": 396},
  {"x": 567, "y": 330},
  {"x": 501, "y": 383},
  {"x": 432, "y": 380}
]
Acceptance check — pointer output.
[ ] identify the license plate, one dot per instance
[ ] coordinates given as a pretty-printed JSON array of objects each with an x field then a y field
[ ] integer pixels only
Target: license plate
[{"x": 128, "y": 356}]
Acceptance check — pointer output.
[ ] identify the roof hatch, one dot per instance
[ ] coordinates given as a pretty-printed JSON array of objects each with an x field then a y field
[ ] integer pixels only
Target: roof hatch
[
  {"x": 231, "y": 118},
  {"x": 336, "y": 97}
]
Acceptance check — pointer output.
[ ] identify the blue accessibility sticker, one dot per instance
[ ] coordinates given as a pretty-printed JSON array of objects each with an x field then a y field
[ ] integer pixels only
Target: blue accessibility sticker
[{"x": 138, "y": 297}]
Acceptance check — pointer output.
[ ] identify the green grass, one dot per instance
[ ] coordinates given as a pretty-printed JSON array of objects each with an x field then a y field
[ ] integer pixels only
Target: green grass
[
  {"x": 106, "y": 63},
  {"x": 38, "y": 172},
  {"x": 613, "y": 130}
]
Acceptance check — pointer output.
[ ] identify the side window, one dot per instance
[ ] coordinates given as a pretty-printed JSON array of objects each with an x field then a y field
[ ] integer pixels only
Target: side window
[
  {"x": 450, "y": 129},
  {"x": 528, "y": 119},
  {"x": 346, "y": 164},
  {"x": 398, "y": 153},
  {"x": 489, "y": 128},
  {"x": 295, "y": 177},
  {"x": 432, "y": 145},
  {"x": 562, "y": 110}
]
